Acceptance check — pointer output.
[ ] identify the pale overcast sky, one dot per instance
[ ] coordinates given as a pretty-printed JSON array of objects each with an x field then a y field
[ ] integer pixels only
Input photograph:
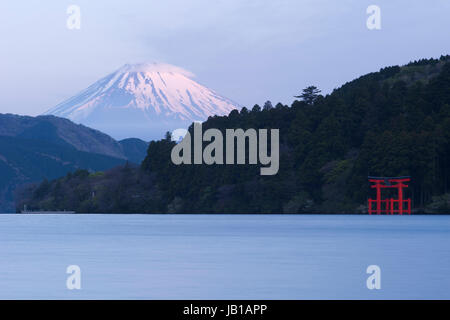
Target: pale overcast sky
[{"x": 247, "y": 50}]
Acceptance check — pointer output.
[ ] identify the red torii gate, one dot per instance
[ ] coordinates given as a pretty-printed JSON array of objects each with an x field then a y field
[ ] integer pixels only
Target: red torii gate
[{"x": 389, "y": 204}]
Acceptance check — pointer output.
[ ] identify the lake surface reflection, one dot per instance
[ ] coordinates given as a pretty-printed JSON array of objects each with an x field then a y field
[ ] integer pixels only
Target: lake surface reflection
[{"x": 224, "y": 256}]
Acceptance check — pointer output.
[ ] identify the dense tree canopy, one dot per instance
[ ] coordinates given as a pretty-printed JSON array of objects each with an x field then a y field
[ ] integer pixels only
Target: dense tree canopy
[{"x": 389, "y": 123}]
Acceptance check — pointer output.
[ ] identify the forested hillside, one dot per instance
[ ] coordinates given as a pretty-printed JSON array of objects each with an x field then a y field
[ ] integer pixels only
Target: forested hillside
[
  {"x": 48, "y": 147},
  {"x": 394, "y": 122},
  {"x": 25, "y": 161},
  {"x": 66, "y": 133}
]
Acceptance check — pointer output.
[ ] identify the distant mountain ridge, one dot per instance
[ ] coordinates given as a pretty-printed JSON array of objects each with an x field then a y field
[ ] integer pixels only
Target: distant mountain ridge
[
  {"x": 48, "y": 147},
  {"x": 64, "y": 132},
  {"x": 134, "y": 149},
  {"x": 29, "y": 160},
  {"x": 144, "y": 100}
]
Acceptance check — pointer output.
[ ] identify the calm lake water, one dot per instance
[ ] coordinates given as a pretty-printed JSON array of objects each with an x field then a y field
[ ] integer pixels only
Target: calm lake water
[{"x": 224, "y": 257}]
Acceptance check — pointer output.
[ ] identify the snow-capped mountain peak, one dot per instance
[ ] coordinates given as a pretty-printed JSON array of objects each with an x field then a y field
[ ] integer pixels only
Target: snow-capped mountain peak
[{"x": 144, "y": 100}]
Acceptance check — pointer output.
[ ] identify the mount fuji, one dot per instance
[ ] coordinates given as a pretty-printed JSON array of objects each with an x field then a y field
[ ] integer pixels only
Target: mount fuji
[{"x": 143, "y": 101}]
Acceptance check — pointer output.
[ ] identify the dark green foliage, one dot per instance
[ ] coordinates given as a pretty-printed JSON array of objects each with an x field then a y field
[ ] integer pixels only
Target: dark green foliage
[
  {"x": 120, "y": 190},
  {"x": 34, "y": 148},
  {"x": 389, "y": 123},
  {"x": 268, "y": 105},
  {"x": 26, "y": 160},
  {"x": 309, "y": 95}
]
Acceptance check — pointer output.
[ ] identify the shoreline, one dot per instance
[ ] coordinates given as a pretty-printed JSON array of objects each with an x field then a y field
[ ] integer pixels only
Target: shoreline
[{"x": 221, "y": 214}]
